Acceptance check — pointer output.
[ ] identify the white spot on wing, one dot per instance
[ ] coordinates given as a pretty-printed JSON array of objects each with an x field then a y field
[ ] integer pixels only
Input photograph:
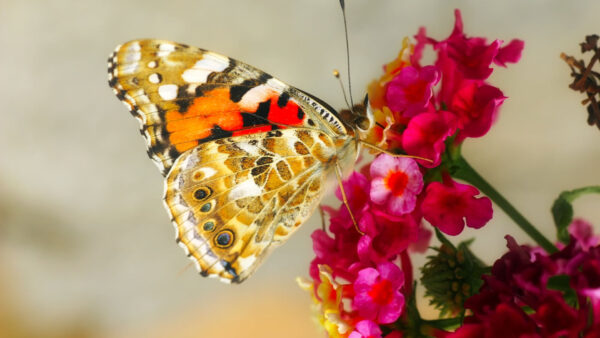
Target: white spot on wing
[
  {"x": 202, "y": 69},
  {"x": 132, "y": 57},
  {"x": 152, "y": 64},
  {"x": 191, "y": 89},
  {"x": 128, "y": 105},
  {"x": 254, "y": 96},
  {"x": 246, "y": 262},
  {"x": 154, "y": 78},
  {"x": 165, "y": 49},
  {"x": 208, "y": 171},
  {"x": 167, "y": 92},
  {"x": 194, "y": 75},
  {"x": 245, "y": 189},
  {"x": 127, "y": 68},
  {"x": 134, "y": 46},
  {"x": 250, "y": 149},
  {"x": 276, "y": 84},
  {"x": 132, "y": 53}
]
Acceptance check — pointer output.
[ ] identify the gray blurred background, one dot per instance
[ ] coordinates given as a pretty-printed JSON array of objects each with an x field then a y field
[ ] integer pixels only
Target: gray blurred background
[{"x": 86, "y": 249}]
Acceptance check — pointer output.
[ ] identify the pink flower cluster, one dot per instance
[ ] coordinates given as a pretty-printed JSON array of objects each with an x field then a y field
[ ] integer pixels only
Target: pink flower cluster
[
  {"x": 423, "y": 110},
  {"x": 416, "y": 117},
  {"x": 417, "y": 110},
  {"x": 527, "y": 277},
  {"x": 383, "y": 202}
]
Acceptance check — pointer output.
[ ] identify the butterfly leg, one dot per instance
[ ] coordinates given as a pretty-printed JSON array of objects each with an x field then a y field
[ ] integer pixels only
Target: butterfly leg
[
  {"x": 338, "y": 173},
  {"x": 322, "y": 212}
]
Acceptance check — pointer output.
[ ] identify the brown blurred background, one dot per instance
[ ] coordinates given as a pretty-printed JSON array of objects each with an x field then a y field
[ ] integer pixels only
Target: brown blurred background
[{"x": 86, "y": 249}]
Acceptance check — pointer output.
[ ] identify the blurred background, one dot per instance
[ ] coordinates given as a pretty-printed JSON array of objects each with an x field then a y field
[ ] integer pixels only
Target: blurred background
[{"x": 86, "y": 249}]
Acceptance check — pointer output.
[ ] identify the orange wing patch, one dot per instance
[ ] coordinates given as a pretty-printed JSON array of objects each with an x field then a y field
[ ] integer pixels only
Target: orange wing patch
[
  {"x": 214, "y": 108},
  {"x": 215, "y": 115}
]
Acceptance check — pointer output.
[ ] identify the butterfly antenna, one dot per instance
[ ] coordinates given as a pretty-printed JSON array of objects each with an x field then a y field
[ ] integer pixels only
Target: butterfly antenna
[
  {"x": 343, "y": 5},
  {"x": 336, "y": 73}
]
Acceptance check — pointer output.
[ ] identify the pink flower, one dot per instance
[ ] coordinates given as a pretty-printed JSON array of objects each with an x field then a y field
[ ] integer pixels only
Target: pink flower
[
  {"x": 355, "y": 187},
  {"x": 476, "y": 106},
  {"x": 557, "y": 319},
  {"x": 582, "y": 232},
  {"x": 377, "y": 293},
  {"x": 521, "y": 277},
  {"x": 366, "y": 329},
  {"x": 504, "y": 321},
  {"x": 396, "y": 181},
  {"x": 410, "y": 91},
  {"x": 473, "y": 56},
  {"x": 587, "y": 284},
  {"x": 425, "y": 135},
  {"x": 394, "y": 334},
  {"x": 422, "y": 40},
  {"x": 386, "y": 236},
  {"x": 338, "y": 252},
  {"x": 510, "y": 53},
  {"x": 450, "y": 205},
  {"x": 423, "y": 239}
]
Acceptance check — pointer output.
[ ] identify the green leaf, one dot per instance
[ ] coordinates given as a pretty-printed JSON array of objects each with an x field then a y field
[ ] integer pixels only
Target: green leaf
[{"x": 562, "y": 210}]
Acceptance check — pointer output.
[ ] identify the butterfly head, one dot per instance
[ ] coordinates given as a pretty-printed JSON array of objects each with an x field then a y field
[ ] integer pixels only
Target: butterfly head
[{"x": 359, "y": 119}]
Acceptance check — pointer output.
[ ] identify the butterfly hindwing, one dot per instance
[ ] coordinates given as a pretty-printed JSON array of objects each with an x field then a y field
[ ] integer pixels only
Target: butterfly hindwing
[
  {"x": 233, "y": 200},
  {"x": 184, "y": 96}
]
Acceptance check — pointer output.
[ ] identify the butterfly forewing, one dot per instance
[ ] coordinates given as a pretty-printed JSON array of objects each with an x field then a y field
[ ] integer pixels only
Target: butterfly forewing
[{"x": 184, "y": 96}]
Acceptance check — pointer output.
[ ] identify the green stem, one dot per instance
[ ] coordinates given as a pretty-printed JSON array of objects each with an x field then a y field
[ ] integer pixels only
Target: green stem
[{"x": 462, "y": 170}]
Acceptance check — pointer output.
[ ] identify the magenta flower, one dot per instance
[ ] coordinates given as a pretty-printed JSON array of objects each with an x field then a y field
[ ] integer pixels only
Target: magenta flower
[
  {"x": 450, "y": 205},
  {"x": 425, "y": 135},
  {"x": 557, "y": 319},
  {"x": 587, "y": 284},
  {"x": 505, "y": 321},
  {"x": 410, "y": 91},
  {"x": 473, "y": 56},
  {"x": 355, "y": 187},
  {"x": 510, "y": 53},
  {"x": 464, "y": 64},
  {"x": 386, "y": 236},
  {"x": 476, "y": 106},
  {"x": 423, "y": 239},
  {"x": 339, "y": 252},
  {"x": 422, "y": 40},
  {"x": 377, "y": 293},
  {"x": 396, "y": 182},
  {"x": 328, "y": 251},
  {"x": 522, "y": 276},
  {"x": 582, "y": 232},
  {"x": 366, "y": 329},
  {"x": 420, "y": 109}
]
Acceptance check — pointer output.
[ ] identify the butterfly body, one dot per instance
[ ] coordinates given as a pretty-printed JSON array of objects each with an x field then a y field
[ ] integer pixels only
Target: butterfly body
[{"x": 245, "y": 155}]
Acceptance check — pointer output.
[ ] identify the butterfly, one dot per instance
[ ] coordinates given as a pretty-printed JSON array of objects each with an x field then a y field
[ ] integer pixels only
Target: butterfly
[{"x": 245, "y": 156}]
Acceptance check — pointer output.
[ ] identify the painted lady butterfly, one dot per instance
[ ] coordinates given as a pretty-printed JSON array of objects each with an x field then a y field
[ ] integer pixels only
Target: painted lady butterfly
[{"x": 245, "y": 156}]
